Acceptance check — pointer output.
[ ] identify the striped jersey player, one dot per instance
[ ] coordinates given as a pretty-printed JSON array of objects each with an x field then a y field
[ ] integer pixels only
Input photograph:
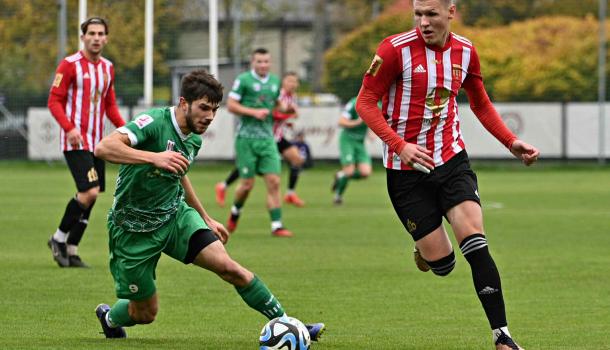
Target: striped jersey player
[
  {"x": 418, "y": 74},
  {"x": 81, "y": 95}
]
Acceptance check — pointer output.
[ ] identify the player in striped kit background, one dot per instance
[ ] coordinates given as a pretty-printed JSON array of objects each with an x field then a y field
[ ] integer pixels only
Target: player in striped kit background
[
  {"x": 81, "y": 95},
  {"x": 418, "y": 75}
]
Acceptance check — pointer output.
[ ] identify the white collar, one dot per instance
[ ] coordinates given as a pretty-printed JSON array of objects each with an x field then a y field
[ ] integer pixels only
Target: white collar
[
  {"x": 175, "y": 122},
  {"x": 263, "y": 80}
]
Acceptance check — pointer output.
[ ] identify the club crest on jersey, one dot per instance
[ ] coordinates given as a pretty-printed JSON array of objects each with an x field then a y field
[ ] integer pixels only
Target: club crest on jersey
[
  {"x": 437, "y": 100},
  {"x": 143, "y": 120},
  {"x": 57, "y": 80},
  {"x": 456, "y": 70},
  {"x": 256, "y": 87},
  {"x": 375, "y": 65},
  {"x": 171, "y": 145}
]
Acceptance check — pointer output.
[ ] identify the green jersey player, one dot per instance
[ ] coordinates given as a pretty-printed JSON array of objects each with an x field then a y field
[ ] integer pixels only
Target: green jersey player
[
  {"x": 156, "y": 210},
  {"x": 253, "y": 97},
  {"x": 352, "y": 150}
]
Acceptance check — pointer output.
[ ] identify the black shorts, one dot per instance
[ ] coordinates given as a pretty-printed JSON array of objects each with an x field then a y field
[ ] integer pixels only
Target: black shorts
[
  {"x": 421, "y": 200},
  {"x": 87, "y": 170},
  {"x": 283, "y": 145}
]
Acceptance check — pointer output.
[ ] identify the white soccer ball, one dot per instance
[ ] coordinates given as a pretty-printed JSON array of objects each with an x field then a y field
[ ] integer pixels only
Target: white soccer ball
[{"x": 286, "y": 333}]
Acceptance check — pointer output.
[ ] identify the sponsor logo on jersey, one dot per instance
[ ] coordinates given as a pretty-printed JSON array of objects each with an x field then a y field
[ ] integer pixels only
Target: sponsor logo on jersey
[
  {"x": 57, "y": 80},
  {"x": 143, "y": 120},
  {"x": 256, "y": 87},
  {"x": 375, "y": 65},
  {"x": 170, "y": 145}
]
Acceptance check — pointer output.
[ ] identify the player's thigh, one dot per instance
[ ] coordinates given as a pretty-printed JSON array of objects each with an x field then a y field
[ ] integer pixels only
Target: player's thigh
[
  {"x": 186, "y": 223},
  {"x": 363, "y": 158},
  {"x": 292, "y": 155},
  {"x": 133, "y": 260},
  {"x": 269, "y": 161},
  {"x": 245, "y": 157},
  {"x": 414, "y": 200},
  {"x": 83, "y": 170},
  {"x": 435, "y": 245},
  {"x": 100, "y": 168},
  {"x": 346, "y": 151},
  {"x": 459, "y": 197}
]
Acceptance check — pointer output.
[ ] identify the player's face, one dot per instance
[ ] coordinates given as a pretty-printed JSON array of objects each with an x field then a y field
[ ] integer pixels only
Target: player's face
[
  {"x": 432, "y": 18},
  {"x": 290, "y": 83},
  {"x": 261, "y": 63},
  {"x": 94, "y": 39},
  {"x": 199, "y": 114}
]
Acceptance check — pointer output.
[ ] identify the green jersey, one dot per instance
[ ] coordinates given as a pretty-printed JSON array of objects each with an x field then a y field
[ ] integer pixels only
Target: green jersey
[
  {"x": 357, "y": 133},
  {"x": 147, "y": 197},
  {"x": 256, "y": 92}
]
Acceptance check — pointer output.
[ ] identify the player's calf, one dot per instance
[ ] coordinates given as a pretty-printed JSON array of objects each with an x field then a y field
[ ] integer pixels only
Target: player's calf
[{"x": 443, "y": 266}]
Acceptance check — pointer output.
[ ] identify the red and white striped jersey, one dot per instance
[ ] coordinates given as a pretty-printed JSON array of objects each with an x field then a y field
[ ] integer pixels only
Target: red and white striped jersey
[
  {"x": 280, "y": 119},
  {"x": 82, "y": 93},
  {"x": 419, "y": 85}
]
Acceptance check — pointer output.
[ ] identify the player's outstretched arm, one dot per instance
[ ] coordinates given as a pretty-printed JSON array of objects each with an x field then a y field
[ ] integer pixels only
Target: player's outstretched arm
[
  {"x": 524, "y": 151},
  {"x": 116, "y": 148},
  {"x": 193, "y": 201}
]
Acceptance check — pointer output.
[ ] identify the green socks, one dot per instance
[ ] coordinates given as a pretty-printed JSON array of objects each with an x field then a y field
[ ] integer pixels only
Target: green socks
[
  {"x": 119, "y": 314},
  {"x": 259, "y": 297}
]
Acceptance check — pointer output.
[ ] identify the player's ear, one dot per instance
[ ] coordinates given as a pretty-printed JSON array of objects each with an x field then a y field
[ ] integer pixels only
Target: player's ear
[{"x": 452, "y": 11}]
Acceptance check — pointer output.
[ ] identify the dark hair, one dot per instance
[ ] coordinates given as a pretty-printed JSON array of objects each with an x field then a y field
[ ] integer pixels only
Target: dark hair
[
  {"x": 93, "y": 20},
  {"x": 260, "y": 50},
  {"x": 199, "y": 84}
]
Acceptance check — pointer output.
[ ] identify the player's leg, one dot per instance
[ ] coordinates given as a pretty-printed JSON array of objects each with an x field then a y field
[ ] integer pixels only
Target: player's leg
[
  {"x": 364, "y": 161},
  {"x": 85, "y": 176},
  {"x": 413, "y": 197},
  {"x": 461, "y": 201},
  {"x": 245, "y": 161},
  {"x": 133, "y": 261},
  {"x": 293, "y": 157},
  {"x": 221, "y": 187},
  {"x": 269, "y": 166},
  {"x": 241, "y": 194},
  {"x": 342, "y": 177},
  {"x": 255, "y": 293}
]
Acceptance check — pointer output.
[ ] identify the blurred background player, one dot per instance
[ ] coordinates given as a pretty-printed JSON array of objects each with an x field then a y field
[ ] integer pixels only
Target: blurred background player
[
  {"x": 253, "y": 97},
  {"x": 285, "y": 110},
  {"x": 82, "y": 93},
  {"x": 419, "y": 74},
  {"x": 156, "y": 210},
  {"x": 355, "y": 159}
]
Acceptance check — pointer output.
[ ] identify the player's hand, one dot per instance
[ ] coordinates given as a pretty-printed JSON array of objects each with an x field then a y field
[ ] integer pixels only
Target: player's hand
[
  {"x": 171, "y": 161},
  {"x": 261, "y": 113},
  {"x": 524, "y": 151},
  {"x": 219, "y": 230},
  {"x": 416, "y": 157},
  {"x": 75, "y": 139}
]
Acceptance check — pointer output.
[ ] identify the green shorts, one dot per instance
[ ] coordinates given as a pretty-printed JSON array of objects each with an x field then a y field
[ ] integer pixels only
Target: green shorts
[
  {"x": 134, "y": 255},
  {"x": 256, "y": 157},
  {"x": 352, "y": 151}
]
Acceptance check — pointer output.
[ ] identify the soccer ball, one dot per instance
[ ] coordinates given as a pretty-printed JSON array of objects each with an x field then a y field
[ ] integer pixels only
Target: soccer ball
[{"x": 286, "y": 333}]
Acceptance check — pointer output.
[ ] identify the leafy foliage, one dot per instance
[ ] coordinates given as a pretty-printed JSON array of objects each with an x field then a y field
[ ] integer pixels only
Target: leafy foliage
[{"x": 542, "y": 59}]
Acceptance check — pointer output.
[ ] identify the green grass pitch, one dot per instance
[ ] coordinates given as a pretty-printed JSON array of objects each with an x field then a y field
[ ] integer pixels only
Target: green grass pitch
[{"x": 348, "y": 266}]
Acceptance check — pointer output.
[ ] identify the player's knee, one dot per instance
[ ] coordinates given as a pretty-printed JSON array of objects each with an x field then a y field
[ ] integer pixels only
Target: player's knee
[
  {"x": 88, "y": 197},
  {"x": 247, "y": 185},
  {"x": 231, "y": 272},
  {"x": 298, "y": 162},
  {"x": 145, "y": 315},
  {"x": 443, "y": 266}
]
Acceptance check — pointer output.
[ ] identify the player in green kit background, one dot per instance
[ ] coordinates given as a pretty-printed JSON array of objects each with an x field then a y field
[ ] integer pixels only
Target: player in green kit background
[
  {"x": 352, "y": 151},
  {"x": 156, "y": 210},
  {"x": 254, "y": 95}
]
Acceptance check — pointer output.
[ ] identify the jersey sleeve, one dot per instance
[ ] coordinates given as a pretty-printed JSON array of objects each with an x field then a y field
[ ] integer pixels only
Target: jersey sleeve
[
  {"x": 140, "y": 129},
  {"x": 112, "y": 110},
  {"x": 481, "y": 104},
  {"x": 238, "y": 89},
  {"x": 383, "y": 70},
  {"x": 58, "y": 96}
]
